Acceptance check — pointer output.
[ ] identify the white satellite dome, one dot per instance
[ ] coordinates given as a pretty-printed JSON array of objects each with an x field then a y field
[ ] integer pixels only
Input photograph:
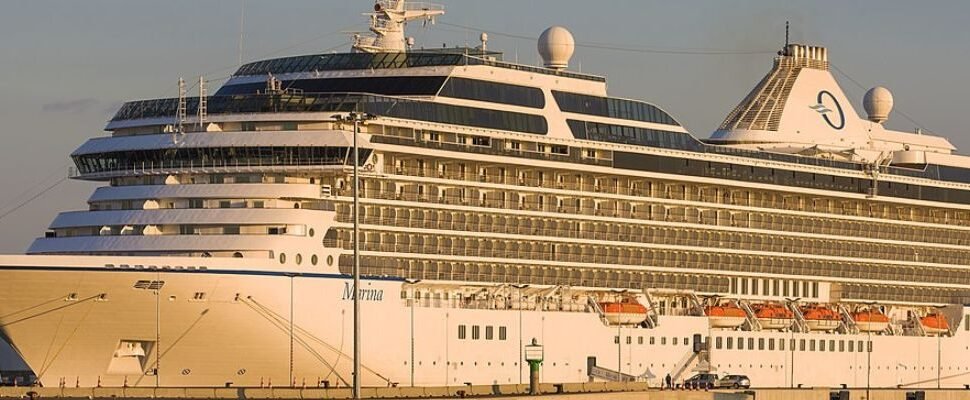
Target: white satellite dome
[
  {"x": 878, "y": 103},
  {"x": 556, "y": 46}
]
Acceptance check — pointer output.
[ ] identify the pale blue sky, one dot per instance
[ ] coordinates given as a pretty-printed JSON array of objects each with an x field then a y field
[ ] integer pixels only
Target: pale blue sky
[{"x": 65, "y": 65}]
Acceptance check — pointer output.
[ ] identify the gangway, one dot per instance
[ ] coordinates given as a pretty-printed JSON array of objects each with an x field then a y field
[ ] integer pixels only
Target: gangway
[
  {"x": 685, "y": 361},
  {"x": 596, "y": 372},
  {"x": 750, "y": 318}
]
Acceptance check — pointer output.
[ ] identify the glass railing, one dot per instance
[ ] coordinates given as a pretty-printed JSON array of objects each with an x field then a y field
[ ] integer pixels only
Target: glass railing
[
  {"x": 420, "y": 58},
  {"x": 341, "y": 102}
]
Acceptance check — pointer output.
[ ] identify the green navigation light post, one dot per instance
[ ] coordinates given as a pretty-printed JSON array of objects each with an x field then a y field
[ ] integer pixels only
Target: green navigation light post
[{"x": 533, "y": 354}]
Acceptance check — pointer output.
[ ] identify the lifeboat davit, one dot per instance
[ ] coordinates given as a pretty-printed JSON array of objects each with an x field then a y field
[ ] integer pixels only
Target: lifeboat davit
[
  {"x": 773, "y": 316},
  {"x": 820, "y": 318},
  {"x": 725, "y": 316},
  {"x": 871, "y": 320},
  {"x": 627, "y": 311},
  {"x": 935, "y": 324}
]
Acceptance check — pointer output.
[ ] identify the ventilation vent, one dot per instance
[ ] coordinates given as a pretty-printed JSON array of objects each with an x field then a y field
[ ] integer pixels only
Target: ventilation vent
[{"x": 149, "y": 285}]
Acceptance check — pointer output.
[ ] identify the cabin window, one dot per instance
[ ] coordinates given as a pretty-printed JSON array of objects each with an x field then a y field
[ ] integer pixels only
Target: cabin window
[
  {"x": 781, "y": 344},
  {"x": 476, "y": 332},
  {"x": 653, "y": 340},
  {"x": 717, "y": 343},
  {"x": 751, "y": 343},
  {"x": 740, "y": 343},
  {"x": 663, "y": 340},
  {"x": 616, "y": 340},
  {"x": 851, "y": 346},
  {"x": 730, "y": 343},
  {"x": 502, "y": 333},
  {"x": 801, "y": 345},
  {"x": 832, "y": 345},
  {"x": 489, "y": 333},
  {"x": 860, "y": 346},
  {"x": 841, "y": 346},
  {"x": 821, "y": 345},
  {"x": 640, "y": 340},
  {"x": 771, "y": 344},
  {"x": 462, "y": 331},
  {"x": 811, "y": 345}
]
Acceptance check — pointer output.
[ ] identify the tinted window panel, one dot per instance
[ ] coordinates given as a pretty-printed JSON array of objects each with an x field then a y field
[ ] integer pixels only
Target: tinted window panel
[
  {"x": 473, "y": 89},
  {"x": 611, "y": 107}
]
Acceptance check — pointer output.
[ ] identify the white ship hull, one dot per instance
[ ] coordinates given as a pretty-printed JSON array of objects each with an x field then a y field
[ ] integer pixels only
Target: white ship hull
[{"x": 239, "y": 333}]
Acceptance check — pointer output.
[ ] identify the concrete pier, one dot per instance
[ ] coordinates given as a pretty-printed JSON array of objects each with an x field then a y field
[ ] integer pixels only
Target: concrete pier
[{"x": 593, "y": 391}]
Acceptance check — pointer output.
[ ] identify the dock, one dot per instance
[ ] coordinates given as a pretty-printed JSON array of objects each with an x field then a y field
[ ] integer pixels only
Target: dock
[{"x": 573, "y": 391}]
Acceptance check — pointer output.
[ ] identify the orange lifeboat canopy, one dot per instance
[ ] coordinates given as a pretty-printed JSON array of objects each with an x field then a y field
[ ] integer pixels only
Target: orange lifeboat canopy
[
  {"x": 935, "y": 323},
  {"x": 870, "y": 316},
  {"x": 724, "y": 311},
  {"x": 820, "y": 313},
  {"x": 772, "y": 311},
  {"x": 625, "y": 306}
]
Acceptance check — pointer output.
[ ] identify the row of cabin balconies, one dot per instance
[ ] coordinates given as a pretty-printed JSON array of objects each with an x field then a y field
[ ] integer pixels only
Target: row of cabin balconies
[
  {"x": 656, "y": 210},
  {"x": 532, "y": 251},
  {"x": 519, "y": 175},
  {"x": 680, "y": 236}
]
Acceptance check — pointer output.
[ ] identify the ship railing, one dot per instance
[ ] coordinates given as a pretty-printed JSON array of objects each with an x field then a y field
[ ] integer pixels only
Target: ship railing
[{"x": 750, "y": 318}]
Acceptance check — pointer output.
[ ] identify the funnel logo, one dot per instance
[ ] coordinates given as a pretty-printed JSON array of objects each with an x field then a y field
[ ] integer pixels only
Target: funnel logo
[{"x": 826, "y": 103}]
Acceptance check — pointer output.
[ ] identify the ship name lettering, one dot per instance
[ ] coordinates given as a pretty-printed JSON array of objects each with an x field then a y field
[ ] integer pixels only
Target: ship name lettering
[{"x": 365, "y": 294}]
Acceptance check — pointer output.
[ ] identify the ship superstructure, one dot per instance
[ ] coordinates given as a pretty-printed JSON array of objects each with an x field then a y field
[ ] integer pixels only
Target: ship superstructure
[{"x": 500, "y": 202}]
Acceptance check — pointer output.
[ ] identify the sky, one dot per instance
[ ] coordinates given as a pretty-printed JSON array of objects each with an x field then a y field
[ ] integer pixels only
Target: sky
[{"x": 67, "y": 65}]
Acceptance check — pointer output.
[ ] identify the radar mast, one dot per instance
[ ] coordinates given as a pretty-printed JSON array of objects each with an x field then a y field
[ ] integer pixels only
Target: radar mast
[{"x": 388, "y": 21}]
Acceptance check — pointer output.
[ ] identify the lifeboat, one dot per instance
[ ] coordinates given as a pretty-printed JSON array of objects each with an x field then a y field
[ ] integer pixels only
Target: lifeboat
[
  {"x": 773, "y": 316},
  {"x": 871, "y": 320},
  {"x": 627, "y": 311},
  {"x": 935, "y": 324},
  {"x": 725, "y": 316},
  {"x": 820, "y": 318}
]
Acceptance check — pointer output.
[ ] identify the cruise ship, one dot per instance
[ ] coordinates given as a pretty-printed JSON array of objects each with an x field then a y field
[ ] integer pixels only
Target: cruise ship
[{"x": 800, "y": 244}]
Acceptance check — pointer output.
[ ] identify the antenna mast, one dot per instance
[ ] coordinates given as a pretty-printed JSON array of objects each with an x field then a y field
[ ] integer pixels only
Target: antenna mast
[
  {"x": 203, "y": 102},
  {"x": 387, "y": 23},
  {"x": 180, "y": 112},
  {"x": 786, "y": 34}
]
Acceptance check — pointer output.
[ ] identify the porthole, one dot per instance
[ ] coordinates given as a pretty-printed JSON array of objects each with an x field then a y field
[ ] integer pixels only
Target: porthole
[
  {"x": 330, "y": 261},
  {"x": 311, "y": 232},
  {"x": 298, "y": 259},
  {"x": 282, "y": 258},
  {"x": 313, "y": 259}
]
